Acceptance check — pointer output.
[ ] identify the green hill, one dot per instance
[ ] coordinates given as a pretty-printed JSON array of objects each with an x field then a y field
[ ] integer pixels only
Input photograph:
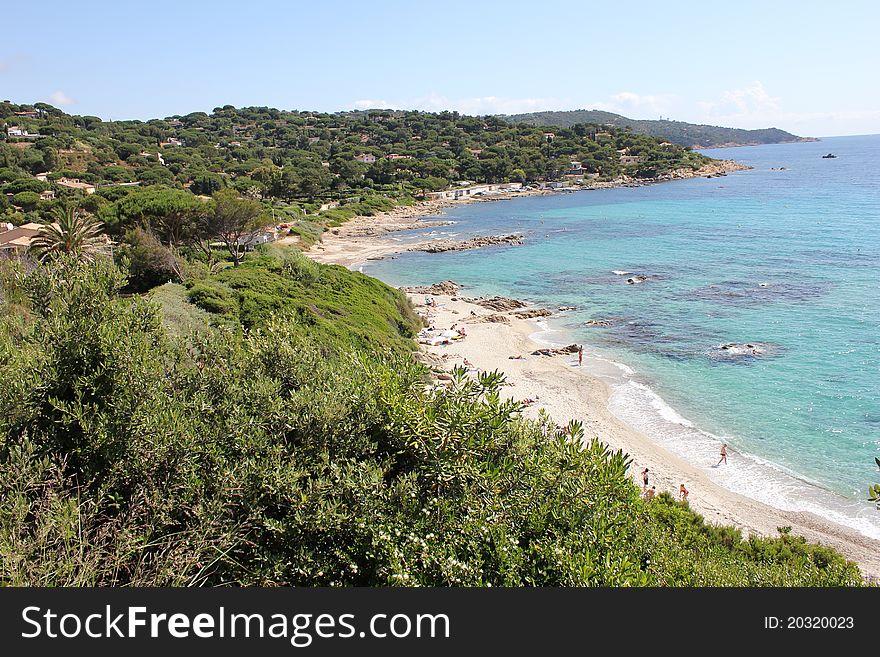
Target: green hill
[{"x": 678, "y": 132}]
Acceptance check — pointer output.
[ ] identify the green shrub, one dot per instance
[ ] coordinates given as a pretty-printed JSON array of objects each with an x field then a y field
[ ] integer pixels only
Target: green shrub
[
  {"x": 213, "y": 297},
  {"x": 292, "y": 454}
]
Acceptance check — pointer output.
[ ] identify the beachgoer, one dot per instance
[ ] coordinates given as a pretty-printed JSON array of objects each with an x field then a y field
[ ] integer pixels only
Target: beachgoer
[
  {"x": 682, "y": 492},
  {"x": 649, "y": 494},
  {"x": 723, "y": 458},
  {"x": 517, "y": 357},
  {"x": 645, "y": 479},
  {"x": 580, "y": 355}
]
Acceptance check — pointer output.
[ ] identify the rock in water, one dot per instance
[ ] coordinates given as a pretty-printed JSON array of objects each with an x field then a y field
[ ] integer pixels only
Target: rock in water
[
  {"x": 532, "y": 312},
  {"x": 441, "y": 246},
  {"x": 734, "y": 351}
]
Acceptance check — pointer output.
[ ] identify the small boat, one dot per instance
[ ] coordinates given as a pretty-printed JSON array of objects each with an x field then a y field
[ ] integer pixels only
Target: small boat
[{"x": 829, "y": 156}]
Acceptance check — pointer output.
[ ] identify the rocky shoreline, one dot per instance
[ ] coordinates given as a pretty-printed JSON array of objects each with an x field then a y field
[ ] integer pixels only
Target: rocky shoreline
[
  {"x": 364, "y": 238},
  {"x": 441, "y": 246}
]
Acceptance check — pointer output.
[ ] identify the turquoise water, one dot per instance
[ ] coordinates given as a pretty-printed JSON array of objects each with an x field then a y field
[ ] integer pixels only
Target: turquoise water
[{"x": 787, "y": 259}]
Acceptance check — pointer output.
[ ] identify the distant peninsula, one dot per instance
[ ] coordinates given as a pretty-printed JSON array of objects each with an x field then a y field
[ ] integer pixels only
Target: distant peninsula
[{"x": 678, "y": 132}]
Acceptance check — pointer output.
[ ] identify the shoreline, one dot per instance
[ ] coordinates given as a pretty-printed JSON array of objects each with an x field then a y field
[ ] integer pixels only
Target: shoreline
[
  {"x": 361, "y": 238},
  {"x": 567, "y": 392}
]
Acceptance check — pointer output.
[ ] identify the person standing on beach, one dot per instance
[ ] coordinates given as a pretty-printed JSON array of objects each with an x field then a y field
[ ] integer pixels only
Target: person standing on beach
[
  {"x": 682, "y": 492},
  {"x": 723, "y": 458},
  {"x": 580, "y": 355},
  {"x": 645, "y": 479},
  {"x": 649, "y": 494}
]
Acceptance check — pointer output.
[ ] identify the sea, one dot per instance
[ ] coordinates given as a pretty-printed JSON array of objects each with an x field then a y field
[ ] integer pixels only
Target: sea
[{"x": 758, "y": 323}]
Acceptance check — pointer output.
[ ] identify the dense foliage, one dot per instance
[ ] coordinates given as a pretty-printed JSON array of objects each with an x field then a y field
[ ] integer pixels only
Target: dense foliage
[
  {"x": 304, "y": 168},
  {"x": 678, "y": 132},
  {"x": 290, "y": 438}
]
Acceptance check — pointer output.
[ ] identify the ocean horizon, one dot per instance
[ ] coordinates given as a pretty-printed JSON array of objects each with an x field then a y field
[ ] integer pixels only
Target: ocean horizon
[{"x": 758, "y": 323}]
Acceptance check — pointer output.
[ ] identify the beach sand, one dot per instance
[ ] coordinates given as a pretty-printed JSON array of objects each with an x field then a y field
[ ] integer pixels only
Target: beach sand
[
  {"x": 363, "y": 238},
  {"x": 566, "y": 392}
]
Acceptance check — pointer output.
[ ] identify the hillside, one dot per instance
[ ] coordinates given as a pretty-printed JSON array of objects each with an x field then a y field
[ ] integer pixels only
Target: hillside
[
  {"x": 678, "y": 132},
  {"x": 301, "y": 166}
]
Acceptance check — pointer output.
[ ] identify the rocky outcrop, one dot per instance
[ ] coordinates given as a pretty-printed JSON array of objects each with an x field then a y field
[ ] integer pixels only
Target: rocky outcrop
[
  {"x": 638, "y": 278},
  {"x": 556, "y": 351},
  {"x": 442, "y": 246},
  {"x": 531, "y": 313},
  {"x": 599, "y": 322},
  {"x": 446, "y": 288},
  {"x": 494, "y": 318},
  {"x": 498, "y": 303}
]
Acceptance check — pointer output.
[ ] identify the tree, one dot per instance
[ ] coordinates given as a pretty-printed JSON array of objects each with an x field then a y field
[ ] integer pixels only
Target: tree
[
  {"x": 234, "y": 222},
  {"x": 173, "y": 212},
  {"x": 149, "y": 262},
  {"x": 26, "y": 200},
  {"x": 74, "y": 233}
]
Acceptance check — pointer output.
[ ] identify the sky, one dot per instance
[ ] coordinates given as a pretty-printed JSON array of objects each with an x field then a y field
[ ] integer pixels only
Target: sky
[{"x": 808, "y": 67}]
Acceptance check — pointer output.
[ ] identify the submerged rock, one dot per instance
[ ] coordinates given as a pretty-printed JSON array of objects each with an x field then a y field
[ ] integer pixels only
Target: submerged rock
[
  {"x": 639, "y": 278},
  {"x": 743, "y": 350}
]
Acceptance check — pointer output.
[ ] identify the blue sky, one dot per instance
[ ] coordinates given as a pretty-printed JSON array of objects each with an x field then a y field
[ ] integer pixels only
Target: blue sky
[{"x": 808, "y": 67}]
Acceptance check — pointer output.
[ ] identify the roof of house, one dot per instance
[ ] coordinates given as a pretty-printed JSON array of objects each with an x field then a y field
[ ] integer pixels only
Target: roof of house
[{"x": 20, "y": 236}]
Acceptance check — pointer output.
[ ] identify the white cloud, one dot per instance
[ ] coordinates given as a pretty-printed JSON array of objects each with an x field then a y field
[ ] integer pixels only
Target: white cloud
[
  {"x": 635, "y": 105},
  {"x": 371, "y": 104},
  {"x": 479, "y": 105},
  {"x": 755, "y": 107},
  {"x": 626, "y": 102},
  {"x": 751, "y": 102},
  {"x": 60, "y": 99}
]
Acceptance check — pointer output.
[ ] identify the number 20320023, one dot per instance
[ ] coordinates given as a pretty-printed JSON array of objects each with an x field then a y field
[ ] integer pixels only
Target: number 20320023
[{"x": 809, "y": 622}]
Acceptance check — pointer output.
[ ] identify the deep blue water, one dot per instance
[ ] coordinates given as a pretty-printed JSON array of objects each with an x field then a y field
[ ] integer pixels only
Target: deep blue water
[{"x": 787, "y": 260}]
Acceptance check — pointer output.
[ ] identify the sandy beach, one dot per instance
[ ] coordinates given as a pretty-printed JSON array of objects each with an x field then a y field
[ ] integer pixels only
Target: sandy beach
[{"x": 566, "y": 392}]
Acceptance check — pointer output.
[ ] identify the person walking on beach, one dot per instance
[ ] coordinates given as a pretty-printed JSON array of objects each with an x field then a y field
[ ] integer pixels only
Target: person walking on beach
[
  {"x": 645, "y": 479},
  {"x": 723, "y": 458},
  {"x": 682, "y": 492},
  {"x": 580, "y": 355},
  {"x": 649, "y": 494}
]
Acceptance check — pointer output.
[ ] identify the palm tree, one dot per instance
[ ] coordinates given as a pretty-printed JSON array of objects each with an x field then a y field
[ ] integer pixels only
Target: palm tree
[{"x": 74, "y": 233}]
